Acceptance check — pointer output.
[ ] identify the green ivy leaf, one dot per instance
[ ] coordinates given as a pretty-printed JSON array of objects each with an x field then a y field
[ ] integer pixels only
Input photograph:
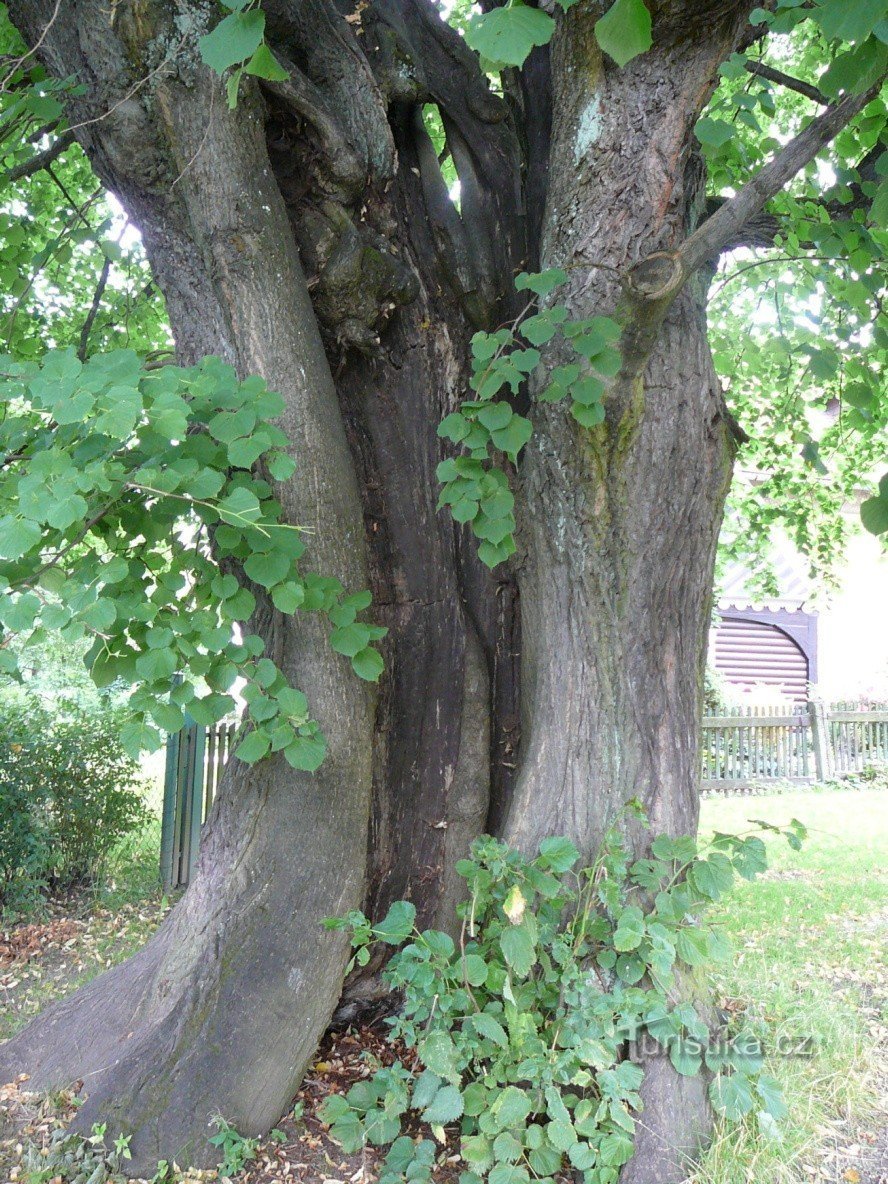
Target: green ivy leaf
[
  {"x": 624, "y": 31},
  {"x": 505, "y": 36},
  {"x": 235, "y": 39}
]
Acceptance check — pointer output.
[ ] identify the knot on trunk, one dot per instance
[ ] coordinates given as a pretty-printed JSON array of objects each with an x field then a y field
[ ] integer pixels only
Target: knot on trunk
[{"x": 658, "y": 277}]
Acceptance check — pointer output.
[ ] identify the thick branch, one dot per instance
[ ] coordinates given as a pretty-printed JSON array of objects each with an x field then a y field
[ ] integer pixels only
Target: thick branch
[
  {"x": 723, "y": 227},
  {"x": 787, "y": 80},
  {"x": 28, "y": 167},
  {"x": 94, "y": 309}
]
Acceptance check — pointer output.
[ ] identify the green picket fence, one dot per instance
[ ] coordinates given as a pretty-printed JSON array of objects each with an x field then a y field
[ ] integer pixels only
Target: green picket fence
[
  {"x": 195, "y": 761},
  {"x": 740, "y": 749}
]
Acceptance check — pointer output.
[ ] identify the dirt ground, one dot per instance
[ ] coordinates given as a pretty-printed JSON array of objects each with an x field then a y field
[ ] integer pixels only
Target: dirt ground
[{"x": 42, "y": 961}]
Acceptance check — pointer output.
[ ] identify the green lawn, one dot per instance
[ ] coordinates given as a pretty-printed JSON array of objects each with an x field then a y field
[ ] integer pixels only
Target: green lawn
[{"x": 809, "y": 962}]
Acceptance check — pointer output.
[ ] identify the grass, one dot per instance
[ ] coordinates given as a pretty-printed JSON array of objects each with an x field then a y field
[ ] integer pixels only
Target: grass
[{"x": 809, "y": 964}]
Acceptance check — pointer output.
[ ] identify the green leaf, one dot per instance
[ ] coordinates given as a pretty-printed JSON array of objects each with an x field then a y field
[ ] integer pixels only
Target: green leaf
[
  {"x": 541, "y": 282},
  {"x": 625, "y": 30},
  {"x": 518, "y": 949},
  {"x": 712, "y": 877},
  {"x": 508, "y": 1173},
  {"x": 846, "y": 21},
  {"x": 267, "y": 569},
  {"x": 561, "y": 1135},
  {"x": 505, "y": 36},
  {"x": 630, "y": 930},
  {"x": 350, "y": 639},
  {"x": 506, "y": 1148},
  {"x": 368, "y": 664},
  {"x": 235, "y": 39},
  {"x": 686, "y": 1056},
  {"x": 475, "y": 970},
  {"x": 437, "y": 1052},
  {"x": 511, "y": 1108},
  {"x": 306, "y": 753},
  {"x": 137, "y": 737},
  {"x": 512, "y": 438},
  {"x": 486, "y": 1025},
  {"x": 397, "y": 925},
  {"x": 558, "y": 853},
  {"x": 454, "y": 427},
  {"x": 731, "y": 1095},
  {"x": 771, "y": 1093},
  {"x": 545, "y": 1160},
  {"x": 495, "y": 416},
  {"x": 714, "y": 132},
  {"x": 874, "y": 514},
  {"x": 17, "y": 536},
  {"x": 263, "y": 64},
  {"x": 287, "y": 598},
  {"x": 446, "y": 1106},
  {"x": 253, "y": 748}
]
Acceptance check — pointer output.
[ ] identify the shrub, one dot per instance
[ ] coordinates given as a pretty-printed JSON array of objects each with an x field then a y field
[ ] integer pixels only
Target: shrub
[
  {"x": 519, "y": 1032},
  {"x": 68, "y": 795}
]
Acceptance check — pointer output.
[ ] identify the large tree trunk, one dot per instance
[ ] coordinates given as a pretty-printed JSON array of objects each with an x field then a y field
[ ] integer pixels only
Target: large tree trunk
[
  {"x": 620, "y": 522},
  {"x": 334, "y": 173},
  {"x": 223, "y": 1008}
]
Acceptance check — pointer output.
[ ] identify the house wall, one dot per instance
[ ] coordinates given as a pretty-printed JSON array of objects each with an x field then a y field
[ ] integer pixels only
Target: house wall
[{"x": 853, "y": 626}]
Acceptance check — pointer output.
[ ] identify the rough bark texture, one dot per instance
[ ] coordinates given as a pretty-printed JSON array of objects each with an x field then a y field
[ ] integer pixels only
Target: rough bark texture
[
  {"x": 620, "y": 522},
  {"x": 223, "y": 1008},
  {"x": 309, "y": 236}
]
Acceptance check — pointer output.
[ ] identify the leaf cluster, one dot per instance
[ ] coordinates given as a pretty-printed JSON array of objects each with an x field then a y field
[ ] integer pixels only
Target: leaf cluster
[
  {"x": 521, "y": 1029},
  {"x": 477, "y": 490},
  {"x": 137, "y": 509}
]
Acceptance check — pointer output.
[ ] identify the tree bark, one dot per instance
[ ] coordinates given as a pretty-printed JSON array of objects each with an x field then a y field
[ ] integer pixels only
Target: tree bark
[
  {"x": 222, "y": 1009},
  {"x": 620, "y": 522}
]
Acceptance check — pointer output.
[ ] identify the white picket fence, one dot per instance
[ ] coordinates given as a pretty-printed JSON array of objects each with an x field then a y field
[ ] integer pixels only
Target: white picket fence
[{"x": 763, "y": 745}]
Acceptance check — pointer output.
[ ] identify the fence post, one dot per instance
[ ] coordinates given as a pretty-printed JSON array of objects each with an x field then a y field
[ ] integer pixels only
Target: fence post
[
  {"x": 170, "y": 803},
  {"x": 823, "y": 763}
]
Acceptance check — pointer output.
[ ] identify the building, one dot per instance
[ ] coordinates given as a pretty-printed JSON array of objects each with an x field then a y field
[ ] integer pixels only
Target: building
[{"x": 830, "y": 643}]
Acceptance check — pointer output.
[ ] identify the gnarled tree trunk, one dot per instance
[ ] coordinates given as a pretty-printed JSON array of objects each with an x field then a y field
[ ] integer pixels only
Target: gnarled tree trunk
[{"x": 309, "y": 235}]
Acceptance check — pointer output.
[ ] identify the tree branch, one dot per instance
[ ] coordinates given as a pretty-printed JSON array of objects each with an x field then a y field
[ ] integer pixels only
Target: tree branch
[
  {"x": 41, "y": 160},
  {"x": 723, "y": 226},
  {"x": 796, "y": 84},
  {"x": 94, "y": 309}
]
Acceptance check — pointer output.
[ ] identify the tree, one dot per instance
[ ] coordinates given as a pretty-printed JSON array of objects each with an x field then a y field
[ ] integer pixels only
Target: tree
[{"x": 300, "y": 220}]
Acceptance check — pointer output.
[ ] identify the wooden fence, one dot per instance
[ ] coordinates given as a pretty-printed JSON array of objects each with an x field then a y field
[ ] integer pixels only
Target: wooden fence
[
  {"x": 195, "y": 760},
  {"x": 762, "y": 745},
  {"x": 748, "y": 747}
]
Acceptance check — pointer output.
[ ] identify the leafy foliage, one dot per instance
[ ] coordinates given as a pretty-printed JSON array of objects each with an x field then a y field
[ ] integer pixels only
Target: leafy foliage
[
  {"x": 236, "y": 1149},
  {"x": 796, "y": 327},
  {"x": 521, "y": 1029},
  {"x": 505, "y": 36},
  {"x": 128, "y": 502},
  {"x": 238, "y": 40},
  {"x": 68, "y": 795},
  {"x": 476, "y": 490}
]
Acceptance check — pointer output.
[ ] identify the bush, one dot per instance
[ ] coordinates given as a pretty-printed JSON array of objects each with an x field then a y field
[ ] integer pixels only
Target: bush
[{"x": 68, "y": 795}]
